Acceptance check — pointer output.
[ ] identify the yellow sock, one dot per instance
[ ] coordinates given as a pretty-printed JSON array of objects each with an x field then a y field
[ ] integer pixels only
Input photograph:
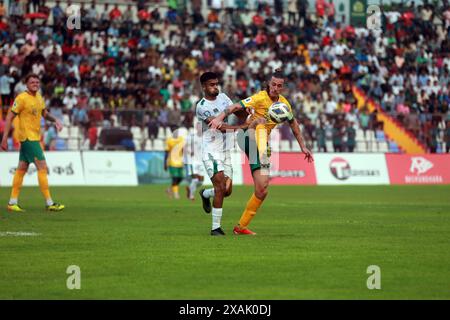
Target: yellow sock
[
  {"x": 43, "y": 184},
  {"x": 261, "y": 138},
  {"x": 175, "y": 189},
  {"x": 17, "y": 184},
  {"x": 250, "y": 210}
]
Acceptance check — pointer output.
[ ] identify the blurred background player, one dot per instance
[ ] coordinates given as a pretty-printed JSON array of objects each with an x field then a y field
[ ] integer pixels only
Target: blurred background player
[
  {"x": 216, "y": 151},
  {"x": 173, "y": 161},
  {"x": 29, "y": 107},
  {"x": 259, "y": 104},
  {"x": 192, "y": 160}
]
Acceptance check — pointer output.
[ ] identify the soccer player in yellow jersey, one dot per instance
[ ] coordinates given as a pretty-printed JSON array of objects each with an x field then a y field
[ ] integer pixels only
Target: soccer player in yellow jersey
[
  {"x": 29, "y": 107},
  {"x": 173, "y": 161},
  {"x": 259, "y": 104}
]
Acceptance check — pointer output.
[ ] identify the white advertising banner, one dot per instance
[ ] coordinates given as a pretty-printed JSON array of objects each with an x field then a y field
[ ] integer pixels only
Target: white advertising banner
[
  {"x": 351, "y": 168},
  {"x": 109, "y": 168},
  {"x": 64, "y": 169}
]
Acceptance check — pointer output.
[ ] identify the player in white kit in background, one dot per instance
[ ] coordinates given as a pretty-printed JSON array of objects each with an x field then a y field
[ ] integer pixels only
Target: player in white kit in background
[
  {"x": 215, "y": 150},
  {"x": 193, "y": 160}
]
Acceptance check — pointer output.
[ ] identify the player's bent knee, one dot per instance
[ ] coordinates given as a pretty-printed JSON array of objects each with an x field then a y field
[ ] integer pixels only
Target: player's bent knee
[
  {"x": 261, "y": 193},
  {"x": 221, "y": 188}
]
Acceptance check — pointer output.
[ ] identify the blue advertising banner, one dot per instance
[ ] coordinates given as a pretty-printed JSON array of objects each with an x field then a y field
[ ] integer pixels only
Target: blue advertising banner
[{"x": 150, "y": 167}]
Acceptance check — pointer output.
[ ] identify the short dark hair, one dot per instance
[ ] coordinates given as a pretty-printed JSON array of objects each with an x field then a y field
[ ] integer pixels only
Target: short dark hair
[
  {"x": 206, "y": 76},
  {"x": 31, "y": 75}
]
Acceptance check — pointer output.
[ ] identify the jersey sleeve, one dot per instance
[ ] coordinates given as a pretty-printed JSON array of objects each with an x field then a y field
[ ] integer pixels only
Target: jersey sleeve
[
  {"x": 17, "y": 106},
  {"x": 250, "y": 102}
]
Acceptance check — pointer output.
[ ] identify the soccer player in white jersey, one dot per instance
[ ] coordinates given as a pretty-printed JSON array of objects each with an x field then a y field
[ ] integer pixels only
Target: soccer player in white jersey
[
  {"x": 193, "y": 160},
  {"x": 215, "y": 151}
]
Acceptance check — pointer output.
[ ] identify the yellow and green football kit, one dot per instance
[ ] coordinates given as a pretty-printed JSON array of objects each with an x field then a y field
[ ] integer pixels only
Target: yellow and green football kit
[
  {"x": 174, "y": 148},
  {"x": 28, "y": 109},
  {"x": 254, "y": 148}
]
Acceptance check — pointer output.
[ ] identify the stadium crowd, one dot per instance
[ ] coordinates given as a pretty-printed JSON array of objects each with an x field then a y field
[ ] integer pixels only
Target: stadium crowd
[{"x": 139, "y": 65}]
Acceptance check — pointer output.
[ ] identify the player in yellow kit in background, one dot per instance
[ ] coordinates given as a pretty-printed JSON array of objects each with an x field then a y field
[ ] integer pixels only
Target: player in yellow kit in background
[
  {"x": 259, "y": 104},
  {"x": 173, "y": 161},
  {"x": 29, "y": 107}
]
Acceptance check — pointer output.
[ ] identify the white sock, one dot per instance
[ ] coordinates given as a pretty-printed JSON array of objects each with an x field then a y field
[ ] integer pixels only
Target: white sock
[
  {"x": 193, "y": 187},
  {"x": 12, "y": 201},
  {"x": 216, "y": 217},
  {"x": 208, "y": 193},
  {"x": 49, "y": 201}
]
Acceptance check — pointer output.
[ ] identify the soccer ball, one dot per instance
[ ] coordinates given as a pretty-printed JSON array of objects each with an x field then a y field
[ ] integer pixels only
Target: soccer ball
[{"x": 279, "y": 112}]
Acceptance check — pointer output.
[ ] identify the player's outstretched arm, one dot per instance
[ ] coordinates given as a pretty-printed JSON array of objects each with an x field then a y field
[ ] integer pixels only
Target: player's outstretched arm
[
  {"x": 225, "y": 127},
  {"x": 298, "y": 135},
  {"x": 48, "y": 116},
  {"x": 8, "y": 122},
  {"x": 217, "y": 122}
]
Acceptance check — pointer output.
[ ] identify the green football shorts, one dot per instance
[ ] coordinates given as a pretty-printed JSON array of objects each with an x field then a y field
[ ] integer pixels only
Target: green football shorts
[
  {"x": 251, "y": 150},
  {"x": 176, "y": 172},
  {"x": 30, "y": 151}
]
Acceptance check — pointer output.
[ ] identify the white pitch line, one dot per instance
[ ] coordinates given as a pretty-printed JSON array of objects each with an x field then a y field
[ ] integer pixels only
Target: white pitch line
[{"x": 18, "y": 234}]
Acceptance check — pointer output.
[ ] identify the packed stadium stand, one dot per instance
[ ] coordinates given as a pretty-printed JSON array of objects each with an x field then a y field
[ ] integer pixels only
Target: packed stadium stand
[{"x": 134, "y": 66}]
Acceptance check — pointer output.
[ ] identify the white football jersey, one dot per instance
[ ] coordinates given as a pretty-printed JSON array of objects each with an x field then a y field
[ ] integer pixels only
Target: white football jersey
[{"x": 213, "y": 140}]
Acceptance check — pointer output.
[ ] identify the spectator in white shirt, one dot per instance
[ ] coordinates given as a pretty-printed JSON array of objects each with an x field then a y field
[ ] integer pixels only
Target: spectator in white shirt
[
  {"x": 5, "y": 88},
  {"x": 330, "y": 106},
  {"x": 70, "y": 101}
]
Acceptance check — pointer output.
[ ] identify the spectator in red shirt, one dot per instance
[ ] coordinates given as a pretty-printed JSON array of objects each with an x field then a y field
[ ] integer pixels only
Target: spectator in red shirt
[
  {"x": 79, "y": 49},
  {"x": 349, "y": 33},
  {"x": 92, "y": 135},
  {"x": 3, "y": 25},
  {"x": 283, "y": 37},
  {"x": 330, "y": 11},
  {"x": 115, "y": 13},
  {"x": 258, "y": 20},
  {"x": 144, "y": 15},
  {"x": 261, "y": 37},
  {"x": 84, "y": 69},
  {"x": 95, "y": 114},
  {"x": 407, "y": 18},
  {"x": 320, "y": 8},
  {"x": 326, "y": 41}
]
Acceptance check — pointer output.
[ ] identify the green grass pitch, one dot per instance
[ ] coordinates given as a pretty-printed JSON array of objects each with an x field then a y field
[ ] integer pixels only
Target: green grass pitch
[{"x": 312, "y": 243}]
